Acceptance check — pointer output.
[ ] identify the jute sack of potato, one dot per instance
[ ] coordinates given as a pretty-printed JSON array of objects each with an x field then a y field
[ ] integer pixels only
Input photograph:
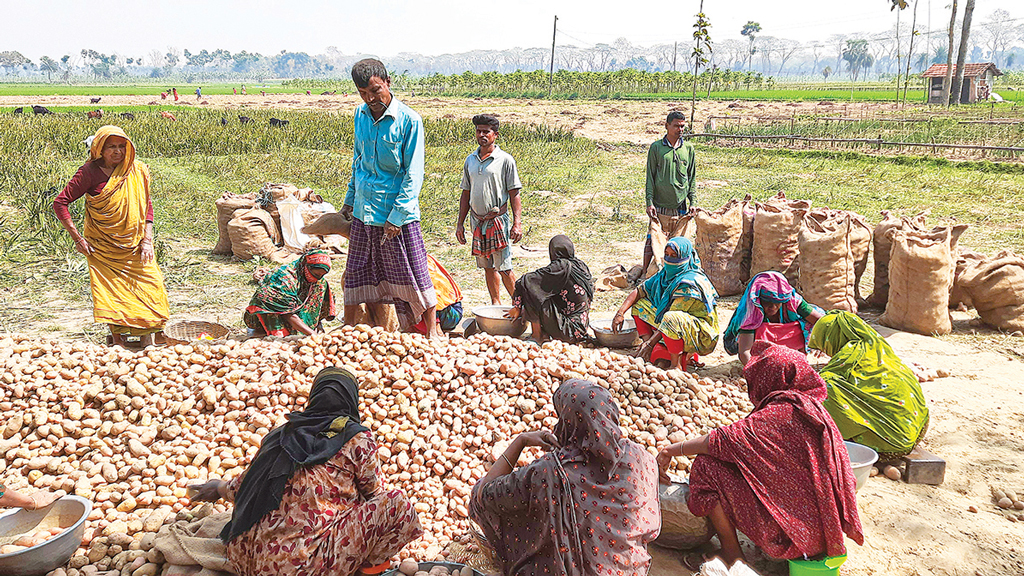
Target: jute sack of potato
[
  {"x": 253, "y": 233},
  {"x": 226, "y": 206},
  {"x": 965, "y": 260},
  {"x": 860, "y": 239},
  {"x": 328, "y": 224},
  {"x": 827, "y": 265},
  {"x": 662, "y": 229},
  {"x": 777, "y": 224},
  {"x": 719, "y": 244},
  {"x": 883, "y": 245},
  {"x": 747, "y": 239},
  {"x": 996, "y": 287},
  {"x": 920, "y": 276}
]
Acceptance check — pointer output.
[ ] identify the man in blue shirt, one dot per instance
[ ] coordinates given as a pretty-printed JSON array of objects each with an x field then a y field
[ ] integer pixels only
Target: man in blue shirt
[{"x": 387, "y": 261}]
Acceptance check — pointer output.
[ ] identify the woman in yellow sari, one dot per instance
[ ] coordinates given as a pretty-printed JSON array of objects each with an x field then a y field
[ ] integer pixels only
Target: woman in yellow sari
[{"x": 127, "y": 287}]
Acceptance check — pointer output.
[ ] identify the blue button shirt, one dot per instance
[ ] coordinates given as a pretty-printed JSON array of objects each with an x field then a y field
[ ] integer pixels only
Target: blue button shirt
[{"x": 387, "y": 166}]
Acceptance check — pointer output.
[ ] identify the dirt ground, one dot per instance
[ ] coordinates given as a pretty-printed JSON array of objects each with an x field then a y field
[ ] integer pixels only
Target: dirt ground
[
  {"x": 977, "y": 413},
  {"x": 636, "y": 122}
]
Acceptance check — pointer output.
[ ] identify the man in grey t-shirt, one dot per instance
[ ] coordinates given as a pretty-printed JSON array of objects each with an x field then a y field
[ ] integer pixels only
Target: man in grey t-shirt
[{"x": 490, "y": 185}]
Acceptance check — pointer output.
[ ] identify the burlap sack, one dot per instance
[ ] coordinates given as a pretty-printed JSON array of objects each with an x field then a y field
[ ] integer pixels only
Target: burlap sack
[
  {"x": 747, "y": 240},
  {"x": 612, "y": 278},
  {"x": 195, "y": 544},
  {"x": 719, "y": 245},
  {"x": 920, "y": 276},
  {"x": 383, "y": 315},
  {"x": 661, "y": 230},
  {"x": 253, "y": 233},
  {"x": 883, "y": 246},
  {"x": 996, "y": 287},
  {"x": 226, "y": 206},
  {"x": 860, "y": 239},
  {"x": 776, "y": 246},
  {"x": 278, "y": 192},
  {"x": 331, "y": 223},
  {"x": 958, "y": 297},
  {"x": 827, "y": 265}
]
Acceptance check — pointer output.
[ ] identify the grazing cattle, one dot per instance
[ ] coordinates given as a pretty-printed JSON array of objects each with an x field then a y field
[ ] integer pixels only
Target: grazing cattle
[
  {"x": 278, "y": 123},
  {"x": 40, "y": 110},
  {"x": 244, "y": 119},
  {"x": 168, "y": 115},
  {"x": 223, "y": 121},
  {"x": 19, "y": 110},
  {"x": 95, "y": 100},
  {"x": 127, "y": 115},
  {"x": 95, "y": 114}
]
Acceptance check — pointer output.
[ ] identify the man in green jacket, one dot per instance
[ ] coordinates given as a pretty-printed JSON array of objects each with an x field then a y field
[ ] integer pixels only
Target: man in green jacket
[{"x": 671, "y": 183}]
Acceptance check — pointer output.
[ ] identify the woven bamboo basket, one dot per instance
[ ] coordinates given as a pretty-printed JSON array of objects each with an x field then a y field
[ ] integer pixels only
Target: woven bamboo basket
[{"x": 187, "y": 331}]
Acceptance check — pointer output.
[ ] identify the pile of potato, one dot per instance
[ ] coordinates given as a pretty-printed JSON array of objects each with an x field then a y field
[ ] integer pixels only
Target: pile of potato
[{"x": 131, "y": 429}]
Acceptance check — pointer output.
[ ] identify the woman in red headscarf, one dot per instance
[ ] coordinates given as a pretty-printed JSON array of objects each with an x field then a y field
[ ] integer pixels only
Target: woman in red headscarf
[{"x": 781, "y": 475}]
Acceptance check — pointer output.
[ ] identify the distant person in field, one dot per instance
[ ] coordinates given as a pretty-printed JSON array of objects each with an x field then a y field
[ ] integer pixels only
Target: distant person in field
[
  {"x": 490, "y": 187},
  {"x": 387, "y": 260},
  {"x": 175, "y": 92},
  {"x": 243, "y": 89},
  {"x": 199, "y": 93},
  {"x": 671, "y": 184}
]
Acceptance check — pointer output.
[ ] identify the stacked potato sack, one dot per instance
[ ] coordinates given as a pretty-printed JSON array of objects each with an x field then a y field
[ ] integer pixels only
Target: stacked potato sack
[{"x": 130, "y": 430}]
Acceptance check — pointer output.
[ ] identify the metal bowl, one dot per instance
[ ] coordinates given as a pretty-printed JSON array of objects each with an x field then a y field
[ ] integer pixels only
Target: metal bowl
[
  {"x": 862, "y": 459},
  {"x": 426, "y": 566},
  {"x": 492, "y": 320},
  {"x": 68, "y": 513},
  {"x": 625, "y": 338}
]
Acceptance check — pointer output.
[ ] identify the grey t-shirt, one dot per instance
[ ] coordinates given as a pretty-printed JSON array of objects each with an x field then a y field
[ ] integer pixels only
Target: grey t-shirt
[{"x": 489, "y": 181}]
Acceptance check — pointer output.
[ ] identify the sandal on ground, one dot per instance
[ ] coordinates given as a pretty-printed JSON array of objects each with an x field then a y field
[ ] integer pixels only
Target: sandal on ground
[{"x": 693, "y": 561}]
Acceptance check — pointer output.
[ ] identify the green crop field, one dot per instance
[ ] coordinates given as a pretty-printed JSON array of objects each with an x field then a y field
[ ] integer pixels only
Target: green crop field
[{"x": 184, "y": 90}]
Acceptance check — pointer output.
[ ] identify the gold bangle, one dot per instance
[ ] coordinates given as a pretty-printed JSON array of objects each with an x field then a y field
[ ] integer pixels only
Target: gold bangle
[{"x": 507, "y": 461}]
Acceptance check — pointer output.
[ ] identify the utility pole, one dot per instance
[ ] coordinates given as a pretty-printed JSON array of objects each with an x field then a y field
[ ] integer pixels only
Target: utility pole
[
  {"x": 551, "y": 73},
  {"x": 675, "y": 48}
]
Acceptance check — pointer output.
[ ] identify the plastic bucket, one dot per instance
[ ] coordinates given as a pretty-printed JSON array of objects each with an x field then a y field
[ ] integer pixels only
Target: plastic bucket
[{"x": 828, "y": 566}]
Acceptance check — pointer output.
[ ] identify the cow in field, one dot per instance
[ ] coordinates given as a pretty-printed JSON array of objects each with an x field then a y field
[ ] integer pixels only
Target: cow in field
[{"x": 37, "y": 110}]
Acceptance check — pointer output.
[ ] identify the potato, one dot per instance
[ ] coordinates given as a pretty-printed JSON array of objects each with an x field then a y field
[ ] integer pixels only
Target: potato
[
  {"x": 893, "y": 473},
  {"x": 408, "y": 567},
  {"x": 1005, "y": 502}
]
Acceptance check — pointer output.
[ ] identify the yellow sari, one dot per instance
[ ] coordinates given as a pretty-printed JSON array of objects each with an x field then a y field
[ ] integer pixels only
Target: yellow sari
[{"x": 127, "y": 293}]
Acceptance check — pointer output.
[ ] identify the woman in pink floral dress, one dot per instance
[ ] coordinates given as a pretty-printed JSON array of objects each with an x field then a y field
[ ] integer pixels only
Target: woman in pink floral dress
[{"x": 312, "y": 502}]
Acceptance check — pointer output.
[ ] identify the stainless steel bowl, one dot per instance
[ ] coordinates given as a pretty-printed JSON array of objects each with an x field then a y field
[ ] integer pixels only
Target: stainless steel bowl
[
  {"x": 492, "y": 320},
  {"x": 862, "y": 459},
  {"x": 428, "y": 565},
  {"x": 626, "y": 338},
  {"x": 69, "y": 513}
]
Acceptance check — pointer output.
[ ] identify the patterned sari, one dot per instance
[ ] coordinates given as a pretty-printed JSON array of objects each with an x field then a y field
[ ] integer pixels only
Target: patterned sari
[{"x": 292, "y": 289}]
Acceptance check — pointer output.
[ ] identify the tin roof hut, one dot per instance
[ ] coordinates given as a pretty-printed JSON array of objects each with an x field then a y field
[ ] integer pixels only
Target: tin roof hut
[{"x": 975, "y": 76}]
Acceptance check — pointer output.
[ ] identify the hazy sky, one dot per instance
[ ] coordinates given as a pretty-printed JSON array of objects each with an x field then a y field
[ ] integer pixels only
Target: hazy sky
[{"x": 387, "y": 27}]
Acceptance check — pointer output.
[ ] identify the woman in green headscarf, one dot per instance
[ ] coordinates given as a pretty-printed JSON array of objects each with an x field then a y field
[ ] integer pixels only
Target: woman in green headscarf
[
  {"x": 677, "y": 304},
  {"x": 874, "y": 398},
  {"x": 294, "y": 298}
]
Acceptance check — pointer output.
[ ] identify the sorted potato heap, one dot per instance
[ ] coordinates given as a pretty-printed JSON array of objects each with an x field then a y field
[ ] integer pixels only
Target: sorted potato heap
[{"x": 130, "y": 430}]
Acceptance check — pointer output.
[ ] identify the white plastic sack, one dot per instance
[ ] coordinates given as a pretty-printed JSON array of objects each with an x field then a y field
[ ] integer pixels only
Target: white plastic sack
[
  {"x": 716, "y": 567},
  {"x": 290, "y": 209},
  {"x": 324, "y": 207}
]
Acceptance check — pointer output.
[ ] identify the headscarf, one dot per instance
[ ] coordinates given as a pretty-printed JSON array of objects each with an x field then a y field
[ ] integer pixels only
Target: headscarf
[
  {"x": 286, "y": 289},
  {"x": 791, "y": 456},
  {"x": 312, "y": 436},
  {"x": 771, "y": 286},
  {"x": 874, "y": 398},
  {"x": 126, "y": 168},
  {"x": 588, "y": 507},
  {"x": 681, "y": 276},
  {"x": 563, "y": 288}
]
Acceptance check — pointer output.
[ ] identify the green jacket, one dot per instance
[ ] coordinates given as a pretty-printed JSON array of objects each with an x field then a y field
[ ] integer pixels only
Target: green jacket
[{"x": 671, "y": 175}]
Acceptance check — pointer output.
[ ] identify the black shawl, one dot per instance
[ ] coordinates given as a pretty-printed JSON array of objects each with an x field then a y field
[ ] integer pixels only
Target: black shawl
[
  {"x": 559, "y": 294},
  {"x": 313, "y": 436}
]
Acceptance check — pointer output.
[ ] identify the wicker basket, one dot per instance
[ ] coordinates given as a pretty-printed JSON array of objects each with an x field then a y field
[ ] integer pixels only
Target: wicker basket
[
  {"x": 187, "y": 331},
  {"x": 476, "y": 557}
]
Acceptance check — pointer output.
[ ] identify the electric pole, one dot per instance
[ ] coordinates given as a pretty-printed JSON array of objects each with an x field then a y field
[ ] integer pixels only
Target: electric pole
[{"x": 551, "y": 73}]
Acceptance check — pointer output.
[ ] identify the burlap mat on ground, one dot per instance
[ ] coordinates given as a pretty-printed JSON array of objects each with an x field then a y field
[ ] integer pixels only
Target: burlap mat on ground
[{"x": 195, "y": 547}]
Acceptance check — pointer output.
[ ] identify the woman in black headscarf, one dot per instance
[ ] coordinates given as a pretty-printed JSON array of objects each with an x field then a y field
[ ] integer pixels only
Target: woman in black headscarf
[
  {"x": 555, "y": 299},
  {"x": 311, "y": 501}
]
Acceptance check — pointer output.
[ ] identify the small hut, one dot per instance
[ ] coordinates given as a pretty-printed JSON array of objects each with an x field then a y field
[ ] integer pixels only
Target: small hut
[{"x": 977, "y": 82}]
